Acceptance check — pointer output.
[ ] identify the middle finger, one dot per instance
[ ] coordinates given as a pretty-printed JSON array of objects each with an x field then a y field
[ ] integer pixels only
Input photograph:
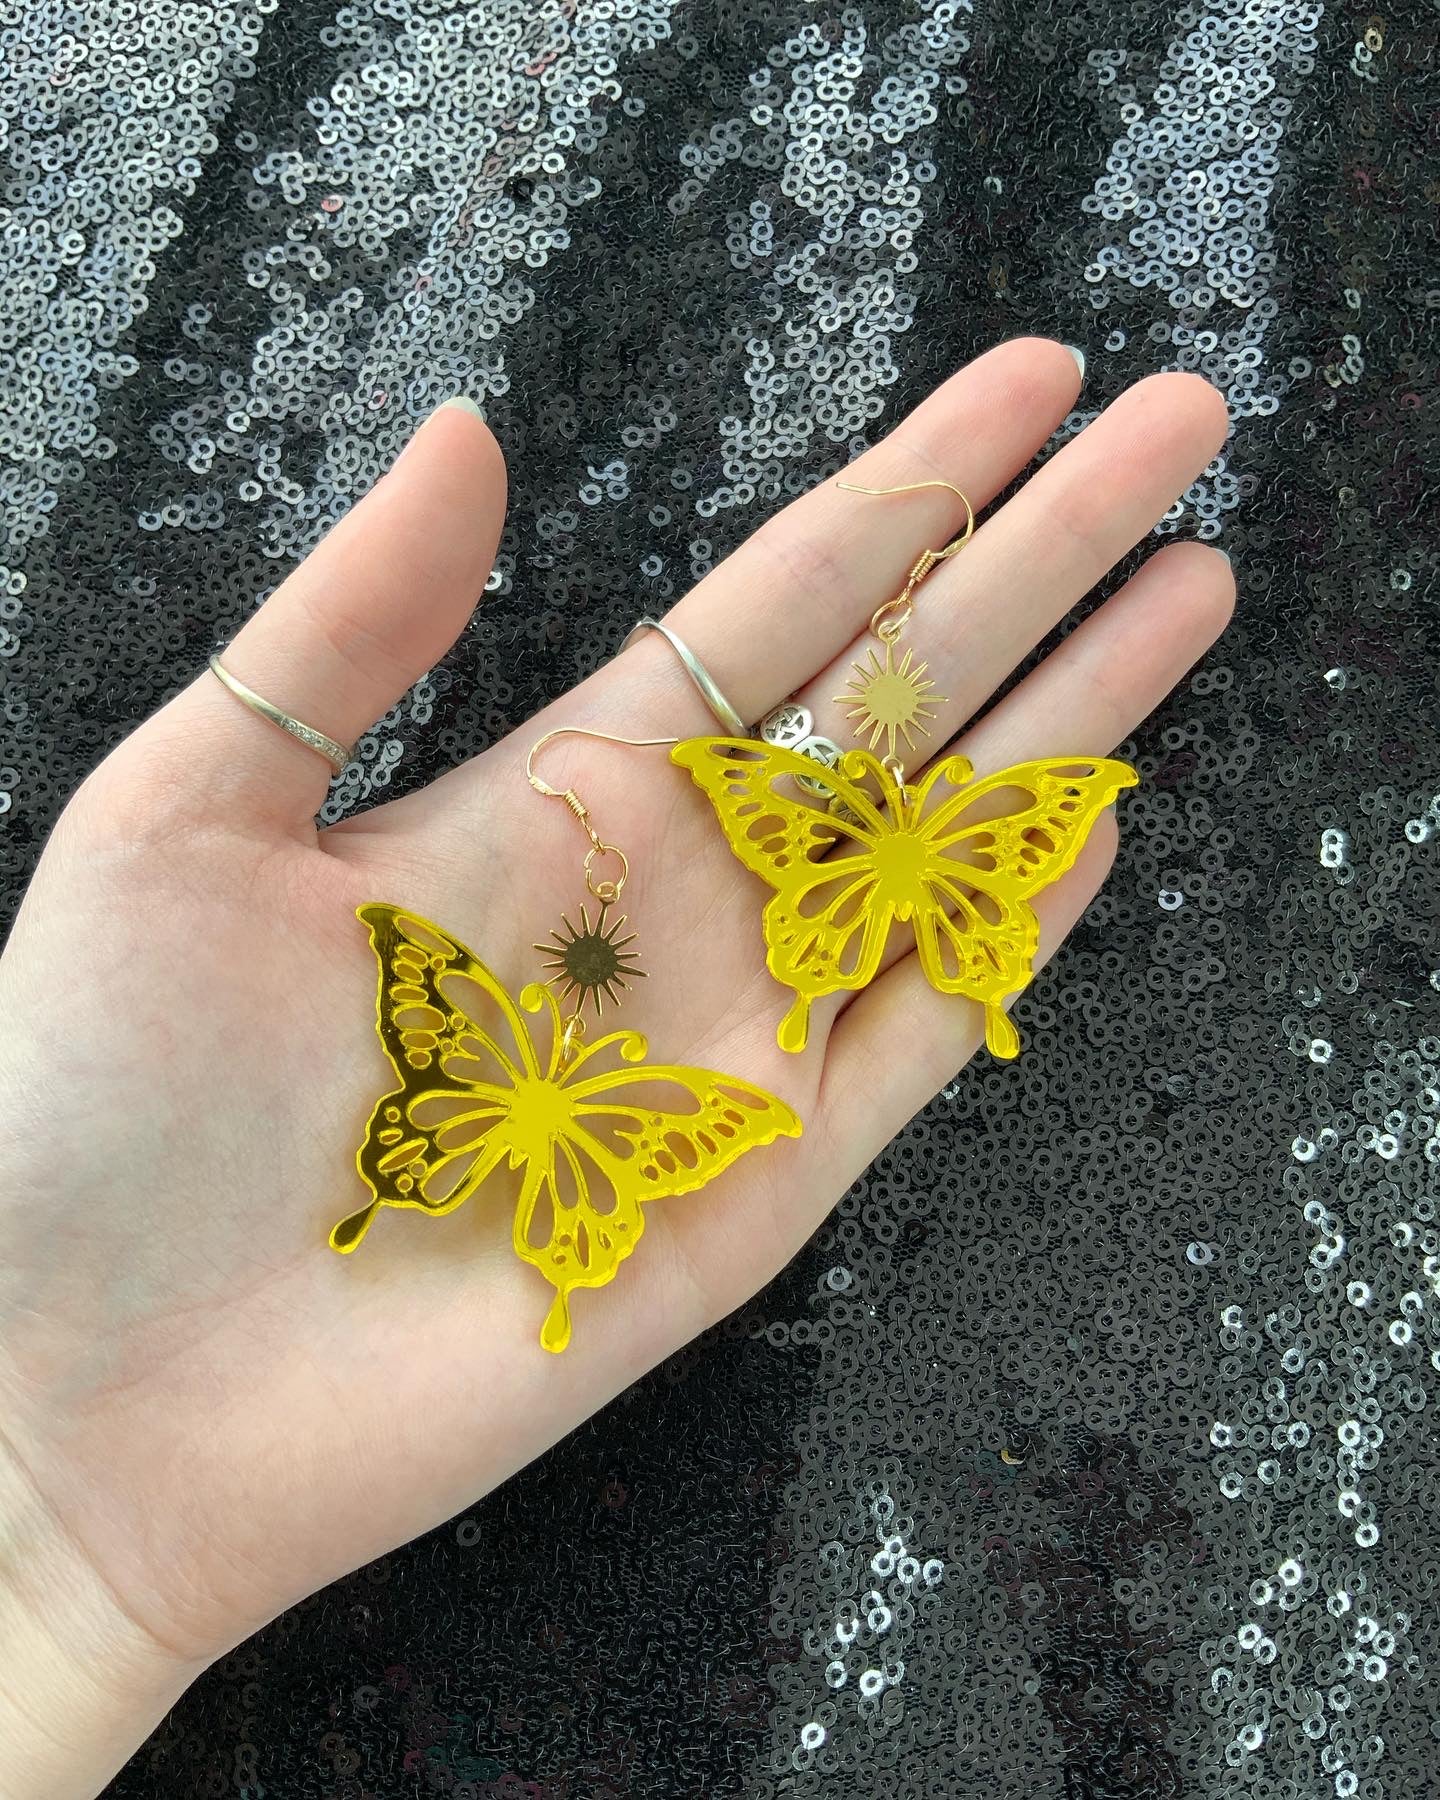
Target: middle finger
[{"x": 979, "y": 614}]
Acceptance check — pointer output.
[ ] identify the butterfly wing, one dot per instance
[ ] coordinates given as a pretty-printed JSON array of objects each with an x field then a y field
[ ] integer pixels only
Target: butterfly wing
[
  {"x": 631, "y": 1135},
  {"x": 589, "y": 1150},
  {"x": 984, "y": 862},
  {"x": 826, "y": 926},
  {"x": 431, "y": 1141}
]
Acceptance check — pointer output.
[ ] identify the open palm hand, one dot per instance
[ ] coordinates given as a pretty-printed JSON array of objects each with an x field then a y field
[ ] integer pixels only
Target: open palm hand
[{"x": 205, "y": 1413}]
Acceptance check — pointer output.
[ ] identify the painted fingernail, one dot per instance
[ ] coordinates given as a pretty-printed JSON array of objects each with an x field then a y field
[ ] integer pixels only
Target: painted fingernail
[{"x": 1079, "y": 356}]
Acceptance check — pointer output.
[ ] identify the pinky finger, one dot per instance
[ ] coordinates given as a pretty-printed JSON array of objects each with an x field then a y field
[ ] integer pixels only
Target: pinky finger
[{"x": 899, "y": 1042}]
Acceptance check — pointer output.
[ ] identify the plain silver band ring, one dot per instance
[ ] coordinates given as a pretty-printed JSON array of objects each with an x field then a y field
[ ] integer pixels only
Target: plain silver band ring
[
  {"x": 335, "y": 754},
  {"x": 699, "y": 674}
]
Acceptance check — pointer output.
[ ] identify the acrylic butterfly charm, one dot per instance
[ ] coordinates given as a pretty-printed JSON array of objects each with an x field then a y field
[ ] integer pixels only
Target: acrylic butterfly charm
[
  {"x": 585, "y": 1146},
  {"x": 955, "y": 858}
]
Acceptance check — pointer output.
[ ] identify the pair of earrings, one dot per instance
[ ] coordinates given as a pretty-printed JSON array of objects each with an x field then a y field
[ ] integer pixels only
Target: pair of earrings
[{"x": 849, "y": 847}]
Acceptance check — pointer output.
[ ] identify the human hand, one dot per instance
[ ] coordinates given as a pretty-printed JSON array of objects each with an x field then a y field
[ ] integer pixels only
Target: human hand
[{"x": 204, "y": 1414}]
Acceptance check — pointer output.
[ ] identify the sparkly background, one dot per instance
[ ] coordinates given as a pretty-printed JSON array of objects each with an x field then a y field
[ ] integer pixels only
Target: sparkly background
[{"x": 1089, "y": 1451}]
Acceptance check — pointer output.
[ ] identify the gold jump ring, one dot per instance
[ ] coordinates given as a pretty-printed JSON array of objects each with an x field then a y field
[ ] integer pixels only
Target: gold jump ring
[{"x": 606, "y": 892}]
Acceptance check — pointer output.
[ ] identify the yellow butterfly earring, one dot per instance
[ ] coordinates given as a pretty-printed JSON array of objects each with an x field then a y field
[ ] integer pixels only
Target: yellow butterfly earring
[
  {"x": 851, "y": 847},
  {"x": 584, "y": 1143}
]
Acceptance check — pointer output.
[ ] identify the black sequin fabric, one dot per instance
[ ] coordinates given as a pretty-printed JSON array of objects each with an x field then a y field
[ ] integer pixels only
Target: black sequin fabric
[{"x": 1089, "y": 1451}]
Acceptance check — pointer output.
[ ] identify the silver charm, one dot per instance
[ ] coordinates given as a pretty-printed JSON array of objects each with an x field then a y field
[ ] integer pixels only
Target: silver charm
[
  {"x": 820, "y": 750},
  {"x": 787, "y": 725}
]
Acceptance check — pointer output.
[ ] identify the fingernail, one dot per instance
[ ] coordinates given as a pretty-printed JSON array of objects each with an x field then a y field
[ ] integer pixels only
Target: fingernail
[
  {"x": 462, "y": 401},
  {"x": 1079, "y": 356}
]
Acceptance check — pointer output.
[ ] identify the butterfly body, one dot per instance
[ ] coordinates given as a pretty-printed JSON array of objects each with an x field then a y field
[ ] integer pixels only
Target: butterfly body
[
  {"x": 590, "y": 1144},
  {"x": 904, "y": 867},
  {"x": 951, "y": 857}
]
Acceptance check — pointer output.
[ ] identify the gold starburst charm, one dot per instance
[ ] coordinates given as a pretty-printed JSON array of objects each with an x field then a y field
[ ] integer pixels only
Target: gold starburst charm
[
  {"x": 591, "y": 962},
  {"x": 890, "y": 700}
]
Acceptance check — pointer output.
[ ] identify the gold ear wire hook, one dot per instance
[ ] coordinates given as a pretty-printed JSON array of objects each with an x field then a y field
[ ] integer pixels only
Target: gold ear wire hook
[
  {"x": 606, "y": 892},
  {"x": 889, "y": 620}
]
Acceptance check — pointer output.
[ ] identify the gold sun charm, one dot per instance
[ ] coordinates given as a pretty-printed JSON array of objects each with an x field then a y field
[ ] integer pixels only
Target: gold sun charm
[
  {"x": 889, "y": 700},
  {"x": 591, "y": 962}
]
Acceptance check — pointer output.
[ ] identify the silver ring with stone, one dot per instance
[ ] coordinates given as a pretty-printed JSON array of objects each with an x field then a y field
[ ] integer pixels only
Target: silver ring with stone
[{"x": 320, "y": 741}]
